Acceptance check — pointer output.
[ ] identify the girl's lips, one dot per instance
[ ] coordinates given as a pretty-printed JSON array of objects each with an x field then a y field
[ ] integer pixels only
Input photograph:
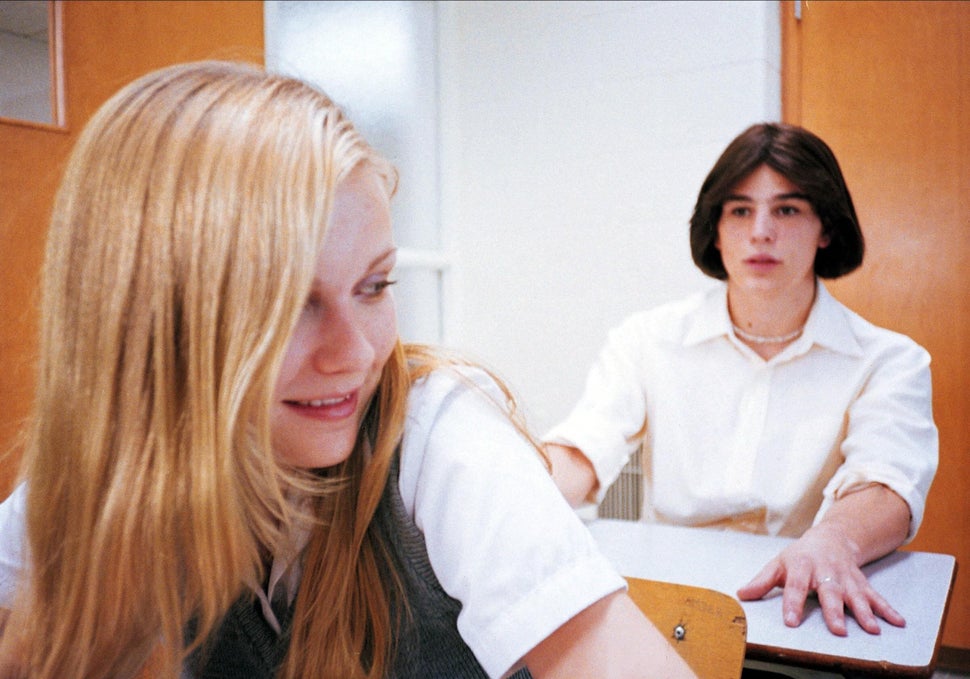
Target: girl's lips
[{"x": 332, "y": 408}]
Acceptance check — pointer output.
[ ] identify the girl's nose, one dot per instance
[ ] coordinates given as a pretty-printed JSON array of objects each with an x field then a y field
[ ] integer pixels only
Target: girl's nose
[{"x": 344, "y": 345}]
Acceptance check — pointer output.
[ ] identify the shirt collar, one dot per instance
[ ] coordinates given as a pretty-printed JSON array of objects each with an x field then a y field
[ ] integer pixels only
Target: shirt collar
[
  {"x": 711, "y": 318},
  {"x": 827, "y": 325},
  {"x": 286, "y": 571}
]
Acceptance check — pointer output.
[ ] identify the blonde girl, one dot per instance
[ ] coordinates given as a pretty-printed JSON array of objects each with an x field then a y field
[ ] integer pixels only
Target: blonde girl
[{"x": 234, "y": 467}]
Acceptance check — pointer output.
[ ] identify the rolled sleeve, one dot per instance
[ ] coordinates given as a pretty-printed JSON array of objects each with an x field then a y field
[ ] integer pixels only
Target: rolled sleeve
[
  {"x": 499, "y": 535},
  {"x": 12, "y": 519},
  {"x": 612, "y": 408},
  {"x": 891, "y": 436}
]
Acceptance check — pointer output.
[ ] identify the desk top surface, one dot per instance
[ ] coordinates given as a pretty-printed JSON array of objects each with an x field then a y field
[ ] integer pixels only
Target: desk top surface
[{"x": 917, "y": 584}]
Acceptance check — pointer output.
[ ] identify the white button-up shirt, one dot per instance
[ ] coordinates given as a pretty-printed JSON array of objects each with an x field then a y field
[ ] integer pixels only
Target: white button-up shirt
[
  {"x": 765, "y": 446},
  {"x": 499, "y": 535}
]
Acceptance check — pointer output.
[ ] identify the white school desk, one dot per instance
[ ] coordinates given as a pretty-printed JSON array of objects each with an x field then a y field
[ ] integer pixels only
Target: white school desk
[{"x": 917, "y": 584}]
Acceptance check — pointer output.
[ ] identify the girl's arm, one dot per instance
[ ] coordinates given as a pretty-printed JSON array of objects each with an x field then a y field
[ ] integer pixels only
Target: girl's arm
[{"x": 610, "y": 638}]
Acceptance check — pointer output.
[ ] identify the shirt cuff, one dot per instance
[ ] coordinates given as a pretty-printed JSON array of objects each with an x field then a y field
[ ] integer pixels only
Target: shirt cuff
[
  {"x": 850, "y": 481},
  {"x": 539, "y": 613}
]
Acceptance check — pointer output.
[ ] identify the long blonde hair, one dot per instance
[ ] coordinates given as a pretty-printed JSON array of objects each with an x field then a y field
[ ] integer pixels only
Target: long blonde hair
[{"x": 181, "y": 247}]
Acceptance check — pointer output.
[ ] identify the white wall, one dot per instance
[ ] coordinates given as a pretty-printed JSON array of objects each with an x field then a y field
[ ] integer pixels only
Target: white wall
[
  {"x": 378, "y": 60},
  {"x": 574, "y": 138}
]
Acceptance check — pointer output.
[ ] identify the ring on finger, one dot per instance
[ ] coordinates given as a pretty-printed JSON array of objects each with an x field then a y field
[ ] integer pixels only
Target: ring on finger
[{"x": 827, "y": 579}]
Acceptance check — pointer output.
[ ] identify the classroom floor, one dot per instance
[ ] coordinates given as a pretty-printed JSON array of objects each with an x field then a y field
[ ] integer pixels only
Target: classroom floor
[
  {"x": 951, "y": 658},
  {"x": 758, "y": 670},
  {"x": 804, "y": 674}
]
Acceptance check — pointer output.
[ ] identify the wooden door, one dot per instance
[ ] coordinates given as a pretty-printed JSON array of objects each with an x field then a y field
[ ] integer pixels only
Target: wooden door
[
  {"x": 887, "y": 85},
  {"x": 105, "y": 45}
]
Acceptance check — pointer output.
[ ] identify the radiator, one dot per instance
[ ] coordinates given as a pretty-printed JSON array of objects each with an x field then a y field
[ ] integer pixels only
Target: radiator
[{"x": 625, "y": 497}]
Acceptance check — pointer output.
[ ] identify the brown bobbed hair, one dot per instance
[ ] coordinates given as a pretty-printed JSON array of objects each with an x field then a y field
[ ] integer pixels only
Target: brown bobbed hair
[{"x": 805, "y": 160}]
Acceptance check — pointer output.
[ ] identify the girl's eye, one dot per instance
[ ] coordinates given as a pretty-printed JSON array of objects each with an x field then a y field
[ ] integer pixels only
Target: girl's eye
[
  {"x": 375, "y": 288},
  {"x": 788, "y": 210},
  {"x": 739, "y": 211}
]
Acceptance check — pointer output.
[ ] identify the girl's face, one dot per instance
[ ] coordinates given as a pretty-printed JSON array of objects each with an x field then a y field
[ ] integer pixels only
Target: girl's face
[
  {"x": 345, "y": 333},
  {"x": 768, "y": 234}
]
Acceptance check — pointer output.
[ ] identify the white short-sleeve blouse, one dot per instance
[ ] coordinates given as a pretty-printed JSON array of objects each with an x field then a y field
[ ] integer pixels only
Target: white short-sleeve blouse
[{"x": 500, "y": 537}]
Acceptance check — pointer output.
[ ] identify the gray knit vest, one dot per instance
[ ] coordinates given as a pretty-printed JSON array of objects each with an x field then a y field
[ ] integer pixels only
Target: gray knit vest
[{"x": 428, "y": 645}]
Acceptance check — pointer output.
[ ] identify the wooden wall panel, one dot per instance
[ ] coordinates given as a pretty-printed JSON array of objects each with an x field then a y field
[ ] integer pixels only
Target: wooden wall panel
[
  {"x": 887, "y": 84},
  {"x": 105, "y": 45}
]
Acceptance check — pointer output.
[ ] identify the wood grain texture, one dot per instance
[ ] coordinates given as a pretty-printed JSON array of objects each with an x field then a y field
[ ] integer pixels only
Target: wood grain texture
[
  {"x": 105, "y": 45},
  {"x": 707, "y": 628}
]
